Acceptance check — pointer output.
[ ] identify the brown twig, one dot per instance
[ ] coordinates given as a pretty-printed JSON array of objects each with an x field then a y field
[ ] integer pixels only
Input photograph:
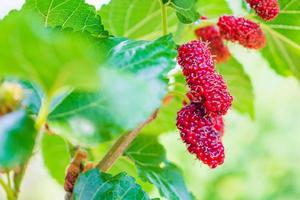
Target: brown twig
[{"x": 121, "y": 145}]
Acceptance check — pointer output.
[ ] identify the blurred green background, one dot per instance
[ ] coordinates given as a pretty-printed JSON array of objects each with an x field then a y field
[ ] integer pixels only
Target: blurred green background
[{"x": 262, "y": 155}]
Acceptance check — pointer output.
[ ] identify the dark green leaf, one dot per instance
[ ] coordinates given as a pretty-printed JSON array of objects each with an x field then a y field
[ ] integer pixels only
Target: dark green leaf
[
  {"x": 283, "y": 39},
  {"x": 56, "y": 156},
  {"x": 94, "y": 185},
  {"x": 74, "y": 14},
  {"x": 150, "y": 159},
  {"x": 17, "y": 138},
  {"x": 130, "y": 91},
  {"x": 49, "y": 58},
  {"x": 239, "y": 85},
  {"x": 185, "y": 10},
  {"x": 135, "y": 19}
]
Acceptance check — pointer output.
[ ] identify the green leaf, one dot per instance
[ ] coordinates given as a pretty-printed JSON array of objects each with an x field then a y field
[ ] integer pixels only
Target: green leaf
[
  {"x": 94, "y": 185},
  {"x": 49, "y": 58},
  {"x": 239, "y": 85},
  {"x": 214, "y": 8},
  {"x": 17, "y": 138},
  {"x": 131, "y": 89},
  {"x": 135, "y": 19},
  {"x": 185, "y": 10},
  {"x": 166, "y": 117},
  {"x": 74, "y": 14},
  {"x": 211, "y": 9},
  {"x": 283, "y": 39},
  {"x": 33, "y": 97},
  {"x": 150, "y": 159},
  {"x": 56, "y": 156}
]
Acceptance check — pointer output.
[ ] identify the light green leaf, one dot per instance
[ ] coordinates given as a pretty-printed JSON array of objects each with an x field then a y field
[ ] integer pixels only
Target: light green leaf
[
  {"x": 49, "y": 58},
  {"x": 283, "y": 39},
  {"x": 17, "y": 138},
  {"x": 150, "y": 159},
  {"x": 214, "y": 8},
  {"x": 166, "y": 117},
  {"x": 185, "y": 10},
  {"x": 130, "y": 91},
  {"x": 239, "y": 85},
  {"x": 74, "y": 14},
  {"x": 94, "y": 185},
  {"x": 56, "y": 156},
  {"x": 139, "y": 19}
]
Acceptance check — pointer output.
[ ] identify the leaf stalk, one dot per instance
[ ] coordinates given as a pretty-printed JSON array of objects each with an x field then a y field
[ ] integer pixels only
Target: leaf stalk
[{"x": 164, "y": 18}]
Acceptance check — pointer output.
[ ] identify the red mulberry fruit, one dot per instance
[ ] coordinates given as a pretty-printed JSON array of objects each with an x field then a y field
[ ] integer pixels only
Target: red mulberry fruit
[
  {"x": 210, "y": 89},
  {"x": 218, "y": 124},
  {"x": 200, "y": 137},
  {"x": 215, "y": 42},
  {"x": 193, "y": 56},
  {"x": 239, "y": 29},
  {"x": 266, "y": 9}
]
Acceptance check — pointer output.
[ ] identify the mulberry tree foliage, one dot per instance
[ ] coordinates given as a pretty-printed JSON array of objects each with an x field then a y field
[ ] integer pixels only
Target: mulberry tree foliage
[{"x": 80, "y": 84}]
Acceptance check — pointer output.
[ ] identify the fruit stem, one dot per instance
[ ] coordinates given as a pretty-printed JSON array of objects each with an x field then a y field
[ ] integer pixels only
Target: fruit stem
[
  {"x": 121, "y": 145},
  {"x": 163, "y": 17}
]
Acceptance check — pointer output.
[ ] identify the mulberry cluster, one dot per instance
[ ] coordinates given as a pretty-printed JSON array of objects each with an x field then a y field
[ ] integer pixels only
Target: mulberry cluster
[
  {"x": 216, "y": 45},
  {"x": 239, "y": 29},
  {"x": 265, "y": 9},
  {"x": 200, "y": 123}
]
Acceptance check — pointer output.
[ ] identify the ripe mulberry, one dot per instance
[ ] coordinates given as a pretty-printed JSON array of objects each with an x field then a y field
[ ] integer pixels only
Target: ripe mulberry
[
  {"x": 205, "y": 84},
  {"x": 266, "y": 9},
  {"x": 215, "y": 43},
  {"x": 210, "y": 89},
  {"x": 218, "y": 124},
  {"x": 193, "y": 56},
  {"x": 200, "y": 137},
  {"x": 244, "y": 31}
]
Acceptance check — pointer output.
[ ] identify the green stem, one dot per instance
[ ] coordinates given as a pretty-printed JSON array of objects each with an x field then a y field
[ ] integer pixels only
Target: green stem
[
  {"x": 163, "y": 17},
  {"x": 8, "y": 190},
  {"x": 8, "y": 179}
]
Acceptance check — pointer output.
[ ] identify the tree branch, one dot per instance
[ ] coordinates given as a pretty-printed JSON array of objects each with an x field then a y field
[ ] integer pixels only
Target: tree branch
[{"x": 121, "y": 145}]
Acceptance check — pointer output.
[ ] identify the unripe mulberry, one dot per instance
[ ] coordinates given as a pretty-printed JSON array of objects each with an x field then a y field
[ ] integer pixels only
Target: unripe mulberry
[
  {"x": 193, "y": 56},
  {"x": 210, "y": 89},
  {"x": 266, "y": 9},
  {"x": 215, "y": 43},
  {"x": 244, "y": 31},
  {"x": 200, "y": 137}
]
